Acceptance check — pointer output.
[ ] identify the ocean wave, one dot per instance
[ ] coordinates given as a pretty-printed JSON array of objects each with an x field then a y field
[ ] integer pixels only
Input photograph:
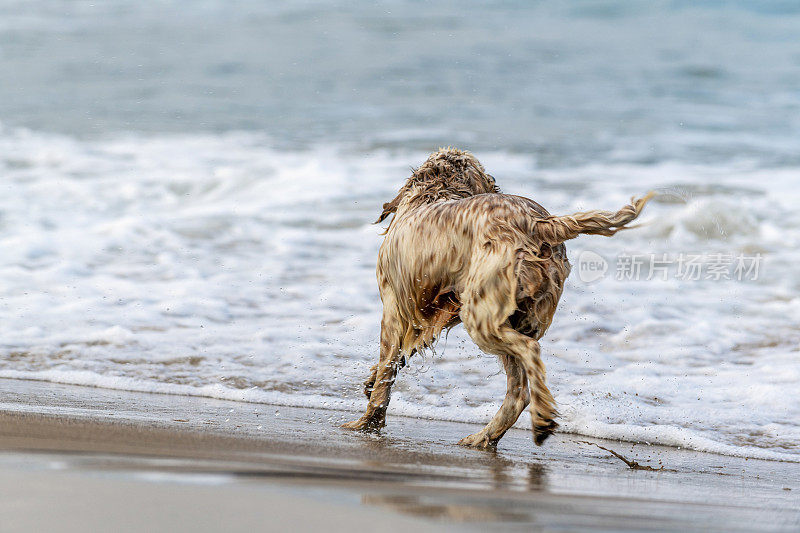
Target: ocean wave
[{"x": 222, "y": 266}]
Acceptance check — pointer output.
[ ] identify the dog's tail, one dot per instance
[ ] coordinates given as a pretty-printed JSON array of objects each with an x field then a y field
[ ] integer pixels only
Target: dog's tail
[{"x": 555, "y": 230}]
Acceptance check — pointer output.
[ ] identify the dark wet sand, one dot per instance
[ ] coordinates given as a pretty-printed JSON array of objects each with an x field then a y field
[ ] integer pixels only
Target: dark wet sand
[{"x": 81, "y": 459}]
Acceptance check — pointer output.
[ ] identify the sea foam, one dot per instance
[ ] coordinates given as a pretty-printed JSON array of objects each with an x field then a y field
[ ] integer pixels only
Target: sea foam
[{"x": 220, "y": 266}]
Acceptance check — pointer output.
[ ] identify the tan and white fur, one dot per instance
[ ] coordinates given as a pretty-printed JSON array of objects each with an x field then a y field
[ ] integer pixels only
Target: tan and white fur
[{"x": 459, "y": 251}]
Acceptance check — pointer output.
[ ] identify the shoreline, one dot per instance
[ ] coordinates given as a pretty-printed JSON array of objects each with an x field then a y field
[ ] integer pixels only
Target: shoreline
[
  {"x": 747, "y": 453},
  {"x": 413, "y": 467}
]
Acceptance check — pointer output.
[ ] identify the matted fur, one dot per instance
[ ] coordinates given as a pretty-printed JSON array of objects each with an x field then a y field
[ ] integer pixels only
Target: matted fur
[{"x": 459, "y": 251}]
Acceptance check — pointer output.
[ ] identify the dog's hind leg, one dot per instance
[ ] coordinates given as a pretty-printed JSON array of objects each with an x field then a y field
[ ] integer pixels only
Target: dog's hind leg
[
  {"x": 484, "y": 318},
  {"x": 543, "y": 406},
  {"x": 379, "y": 385},
  {"x": 517, "y": 398}
]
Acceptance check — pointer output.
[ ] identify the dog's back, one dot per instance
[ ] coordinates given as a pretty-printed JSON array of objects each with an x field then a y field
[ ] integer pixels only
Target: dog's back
[{"x": 429, "y": 252}]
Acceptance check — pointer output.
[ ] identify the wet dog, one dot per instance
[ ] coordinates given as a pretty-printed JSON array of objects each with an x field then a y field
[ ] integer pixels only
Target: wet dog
[{"x": 457, "y": 250}]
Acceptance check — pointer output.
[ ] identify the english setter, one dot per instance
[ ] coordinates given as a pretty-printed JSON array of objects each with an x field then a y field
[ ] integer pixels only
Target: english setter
[{"x": 459, "y": 251}]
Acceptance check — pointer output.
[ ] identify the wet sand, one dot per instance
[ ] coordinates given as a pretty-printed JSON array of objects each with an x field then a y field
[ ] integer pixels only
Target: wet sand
[{"x": 79, "y": 458}]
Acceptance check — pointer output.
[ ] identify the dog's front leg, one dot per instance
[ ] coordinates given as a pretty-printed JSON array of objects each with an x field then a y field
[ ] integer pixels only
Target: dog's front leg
[
  {"x": 385, "y": 372},
  {"x": 369, "y": 384}
]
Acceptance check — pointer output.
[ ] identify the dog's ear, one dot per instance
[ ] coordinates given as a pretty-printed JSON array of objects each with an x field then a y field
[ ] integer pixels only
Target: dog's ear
[{"x": 389, "y": 208}]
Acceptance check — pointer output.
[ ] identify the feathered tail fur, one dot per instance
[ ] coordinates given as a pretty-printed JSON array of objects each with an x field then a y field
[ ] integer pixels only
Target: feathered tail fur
[{"x": 555, "y": 230}]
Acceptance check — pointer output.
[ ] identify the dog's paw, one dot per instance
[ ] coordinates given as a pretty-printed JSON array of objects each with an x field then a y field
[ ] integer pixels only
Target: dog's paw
[
  {"x": 356, "y": 425},
  {"x": 478, "y": 440},
  {"x": 542, "y": 431},
  {"x": 362, "y": 424}
]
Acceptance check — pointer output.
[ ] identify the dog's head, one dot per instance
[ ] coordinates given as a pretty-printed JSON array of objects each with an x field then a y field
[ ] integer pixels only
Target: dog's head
[{"x": 447, "y": 174}]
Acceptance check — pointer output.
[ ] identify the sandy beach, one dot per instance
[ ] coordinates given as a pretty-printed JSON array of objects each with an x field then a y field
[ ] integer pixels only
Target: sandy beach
[{"x": 80, "y": 458}]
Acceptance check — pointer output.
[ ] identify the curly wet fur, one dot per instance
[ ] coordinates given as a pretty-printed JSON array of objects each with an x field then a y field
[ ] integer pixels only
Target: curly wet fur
[{"x": 459, "y": 251}]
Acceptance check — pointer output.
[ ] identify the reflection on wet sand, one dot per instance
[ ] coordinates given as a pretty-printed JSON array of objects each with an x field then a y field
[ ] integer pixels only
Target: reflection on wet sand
[
  {"x": 501, "y": 474},
  {"x": 430, "y": 507},
  {"x": 506, "y": 475}
]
